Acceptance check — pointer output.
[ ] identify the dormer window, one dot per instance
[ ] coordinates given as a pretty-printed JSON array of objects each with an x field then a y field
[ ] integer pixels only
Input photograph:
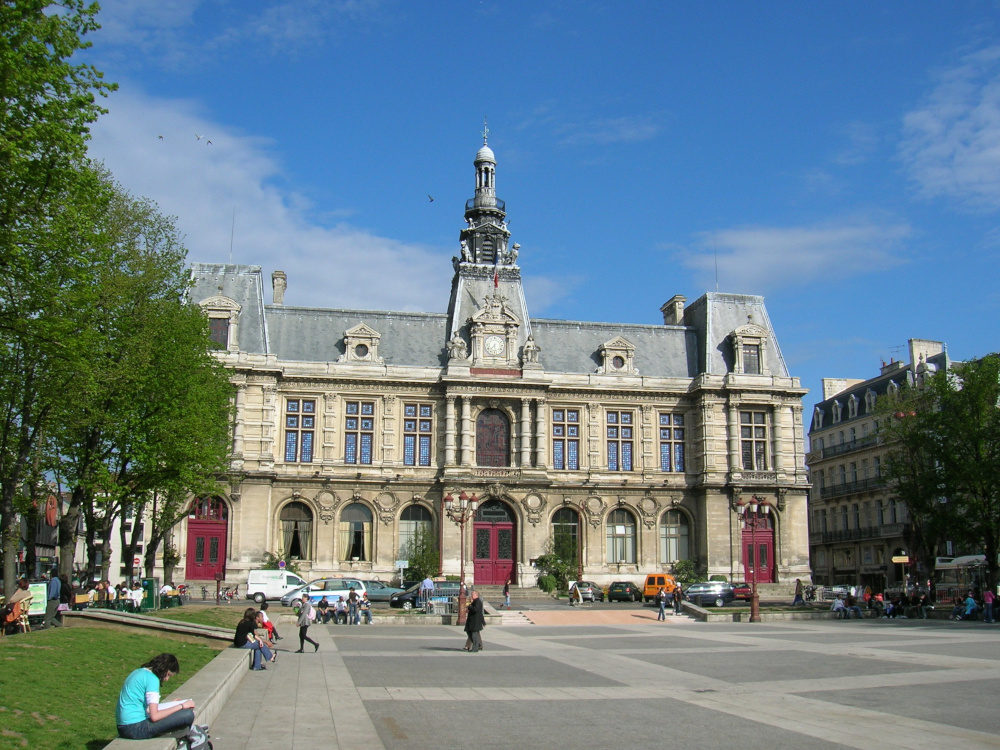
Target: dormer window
[
  {"x": 218, "y": 332},
  {"x": 838, "y": 411},
  {"x": 361, "y": 345},
  {"x": 870, "y": 401},
  {"x": 852, "y": 406},
  {"x": 893, "y": 388},
  {"x": 749, "y": 344},
  {"x": 617, "y": 357},
  {"x": 223, "y": 322},
  {"x": 818, "y": 418}
]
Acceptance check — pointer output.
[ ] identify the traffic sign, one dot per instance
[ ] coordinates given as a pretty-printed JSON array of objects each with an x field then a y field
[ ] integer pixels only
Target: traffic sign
[{"x": 902, "y": 559}]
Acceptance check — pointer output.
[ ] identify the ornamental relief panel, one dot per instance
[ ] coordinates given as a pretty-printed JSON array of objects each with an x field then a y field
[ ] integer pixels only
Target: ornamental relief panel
[
  {"x": 386, "y": 503},
  {"x": 533, "y": 504},
  {"x": 328, "y": 502},
  {"x": 594, "y": 508},
  {"x": 648, "y": 509}
]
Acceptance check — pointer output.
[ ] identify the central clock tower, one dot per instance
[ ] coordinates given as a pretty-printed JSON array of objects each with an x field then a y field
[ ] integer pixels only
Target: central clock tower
[{"x": 487, "y": 314}]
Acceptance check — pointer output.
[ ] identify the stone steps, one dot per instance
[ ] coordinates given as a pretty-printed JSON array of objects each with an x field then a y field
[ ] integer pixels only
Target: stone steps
[{"x": 513, "y": 617}]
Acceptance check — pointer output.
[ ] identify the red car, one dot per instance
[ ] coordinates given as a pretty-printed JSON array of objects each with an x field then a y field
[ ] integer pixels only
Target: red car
[{"x": 742, "y": 591}]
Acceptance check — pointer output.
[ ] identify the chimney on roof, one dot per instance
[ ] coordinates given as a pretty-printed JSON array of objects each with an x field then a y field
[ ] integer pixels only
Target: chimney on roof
[
  {"x": 279, "y": 282},
  {"x": 673, "y": 311}
]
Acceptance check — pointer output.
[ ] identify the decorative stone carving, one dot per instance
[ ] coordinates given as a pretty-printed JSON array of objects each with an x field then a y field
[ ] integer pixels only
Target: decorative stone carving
[
  {"x": 361, "y": 345},
  {"x": 735, "y": 494},
  {"x": 746, "y": 339},
  {"x": 530, "y": 351},
  {"x": 386, "y": 503},
  {"x": 533, "y": 505},
  {"x": 496, "y": 490},
  {"x": 327, "y": 502},
  {"x": 456, "y": 347},
  {"x": 782, "y": 492},
  {"x": 617, "y": 357},
  {"x": 648, "y": 509},
  {"x": 594, "y": 507}
]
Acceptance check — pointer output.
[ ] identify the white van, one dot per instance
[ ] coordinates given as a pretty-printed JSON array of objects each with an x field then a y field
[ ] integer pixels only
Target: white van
[{"x": 271, "y": 584}]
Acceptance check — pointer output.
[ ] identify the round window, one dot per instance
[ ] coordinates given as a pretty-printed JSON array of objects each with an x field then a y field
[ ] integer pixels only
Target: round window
[
  {"x": 361, "y": 350},
  {"x": 618, "y": 363}
]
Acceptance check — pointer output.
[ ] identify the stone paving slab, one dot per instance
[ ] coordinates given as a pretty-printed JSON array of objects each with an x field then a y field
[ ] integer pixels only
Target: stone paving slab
[{"x": 703, "y": 685}]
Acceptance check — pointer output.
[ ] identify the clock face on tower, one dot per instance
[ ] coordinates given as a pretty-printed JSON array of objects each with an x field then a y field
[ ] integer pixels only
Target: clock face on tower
[{"x": 494, "y": 345}]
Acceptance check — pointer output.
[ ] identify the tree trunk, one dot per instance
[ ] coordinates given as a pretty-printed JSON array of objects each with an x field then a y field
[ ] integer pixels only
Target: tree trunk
[{"x": 68, "y": 525}]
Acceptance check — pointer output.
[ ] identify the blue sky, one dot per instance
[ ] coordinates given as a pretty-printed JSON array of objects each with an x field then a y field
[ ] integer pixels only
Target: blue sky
[{"x": 840, "y": 158}]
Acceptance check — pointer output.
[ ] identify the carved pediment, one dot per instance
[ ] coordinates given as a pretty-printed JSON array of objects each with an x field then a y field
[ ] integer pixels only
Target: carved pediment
[
  {"x": 617, "y": 357},
  {"x": 361, "y": 345},
  {"x": 494, "y": 310}
]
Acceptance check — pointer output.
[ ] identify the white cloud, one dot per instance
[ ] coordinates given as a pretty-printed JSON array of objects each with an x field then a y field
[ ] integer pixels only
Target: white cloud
[
  {"x": 951, "y": 143},
  {"x": 755, "y": 259},
  {"x": 609, "y": 130},
  {"x": 331, "y": 266}
]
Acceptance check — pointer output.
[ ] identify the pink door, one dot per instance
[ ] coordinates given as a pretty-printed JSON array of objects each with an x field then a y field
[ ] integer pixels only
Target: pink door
[
  {"x": 494, "y": 553},
  {"x": 758, "y": 555},
  {"x": 206, "y": 539}
]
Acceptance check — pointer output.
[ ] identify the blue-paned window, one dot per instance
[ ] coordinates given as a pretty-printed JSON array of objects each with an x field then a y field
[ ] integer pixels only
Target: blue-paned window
[
  {"x": 418, "y": 426},
  {"x": 300, "y": 424},
  {"x": 672, "y": 442},
  {"x": 566, "y": 439},
  {"x": 359, "y": 431},
  {"x": 620, "y": 435}
]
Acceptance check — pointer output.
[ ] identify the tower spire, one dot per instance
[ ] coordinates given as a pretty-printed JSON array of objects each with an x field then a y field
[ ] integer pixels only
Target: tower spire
[{"x": 486, "y": 130}]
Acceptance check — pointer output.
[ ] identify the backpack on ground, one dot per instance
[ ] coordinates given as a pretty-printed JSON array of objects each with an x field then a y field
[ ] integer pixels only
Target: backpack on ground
[{"x": 196, "y": 739}]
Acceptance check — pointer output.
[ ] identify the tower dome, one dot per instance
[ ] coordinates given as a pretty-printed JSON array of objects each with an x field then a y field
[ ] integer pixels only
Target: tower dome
[{"x": 486, "y": 154}]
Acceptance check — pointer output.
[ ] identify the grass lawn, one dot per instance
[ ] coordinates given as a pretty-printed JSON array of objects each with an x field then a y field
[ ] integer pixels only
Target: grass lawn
[
  {"x": 226, "y": 616},
  {"x": 59, "y": 687}
]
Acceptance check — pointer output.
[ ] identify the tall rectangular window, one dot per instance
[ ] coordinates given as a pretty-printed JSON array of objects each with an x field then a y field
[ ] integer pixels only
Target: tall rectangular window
[
  {"x": 300, "y": 426},
  {"x": 418, "y": 429},
  {"x": 753, "y": 440},
  {"x": 672, "y": 442},
  {"x": 359, "y": 431},
  {"x": 619, "y": 434},
  {"x": 218, "y": 332},
  {"x": 566, "y": 439},
  {"x": 751, "y": 359}
]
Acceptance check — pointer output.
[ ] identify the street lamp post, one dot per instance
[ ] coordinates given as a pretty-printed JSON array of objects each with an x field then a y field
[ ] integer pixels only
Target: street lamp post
[
  {"x": 461, "y": 514},
  {"x": 754, "y": 515}
]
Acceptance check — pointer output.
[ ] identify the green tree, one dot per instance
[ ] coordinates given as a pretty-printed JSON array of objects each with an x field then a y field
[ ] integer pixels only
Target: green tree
[
  {"x": 562, "y": 561},
  {"x": 943, "y": 459},
  {"x": 422, "y": 553},
  {"x": 46, "y": 106}
]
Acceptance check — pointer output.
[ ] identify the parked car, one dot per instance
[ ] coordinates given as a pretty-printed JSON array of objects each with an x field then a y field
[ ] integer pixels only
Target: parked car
[
  {"x": 589, "y": 590},
  {"x": 718, "y": 593},
  {"x": 380, "y": 592},
  {"x": 271, "y": 584},
  {"x": 410, "y": 598},
  {"x": 655, "y": 582},
  {"x": 742, "y": 591},
  {"x": 624, "y": 591},
  {"x": 330, "y": 588}
]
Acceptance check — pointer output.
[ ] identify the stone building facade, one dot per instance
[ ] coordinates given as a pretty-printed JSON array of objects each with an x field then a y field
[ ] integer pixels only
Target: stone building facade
[
  {"x": 636, "y": 441},
  {"x": 858, "y": 528}
]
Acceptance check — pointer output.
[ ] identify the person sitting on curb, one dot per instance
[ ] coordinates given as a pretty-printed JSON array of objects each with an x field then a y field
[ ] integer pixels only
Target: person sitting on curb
[
  {"x": 323, "y": 612},
  {"x": 853, "y": 608},
  {"x": 139, "y": 714},
  {"x": 245, "y": 637},
  {"x": 365, "y": 608},
  {"x": 838, "y": 607}
]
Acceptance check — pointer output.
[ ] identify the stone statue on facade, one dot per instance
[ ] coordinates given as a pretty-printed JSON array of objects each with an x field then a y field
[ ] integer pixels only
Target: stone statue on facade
[
  {"x": 456, "y": 347},
  {"x": 466, "y": 255},
  {"x": 531, "y": 351}
]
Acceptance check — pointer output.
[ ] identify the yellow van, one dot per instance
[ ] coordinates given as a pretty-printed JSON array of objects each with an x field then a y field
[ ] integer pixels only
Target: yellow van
[{"x": 655, "y": 582}]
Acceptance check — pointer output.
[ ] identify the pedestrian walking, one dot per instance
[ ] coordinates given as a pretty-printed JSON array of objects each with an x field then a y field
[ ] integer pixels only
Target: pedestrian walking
[
  {"x": 678, "y": 598},
  {"x": 475, "y": 621},
  {"x": 53, "y": 594},
  {"x": 988, "y": 605},
  {"x": 506, "y": 595},
  {"x": 661, "y": 601},
  {"x": 306, "y": 616},
  {"x": 798, "y": 594}
]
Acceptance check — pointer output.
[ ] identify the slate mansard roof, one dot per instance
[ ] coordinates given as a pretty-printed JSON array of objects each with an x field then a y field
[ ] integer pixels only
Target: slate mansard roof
[{"x": 309, "y": 334}]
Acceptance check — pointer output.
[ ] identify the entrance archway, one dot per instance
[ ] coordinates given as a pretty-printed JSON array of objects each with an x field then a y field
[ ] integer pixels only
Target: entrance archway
[
  {"x": 758, "y": 552},
  {"x": 494, "y": 543},
  {"x": 207, "y": 538}
]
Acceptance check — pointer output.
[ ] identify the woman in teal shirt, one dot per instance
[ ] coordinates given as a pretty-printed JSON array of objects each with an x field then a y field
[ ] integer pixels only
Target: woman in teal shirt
[{"x": 140, "y": 714}]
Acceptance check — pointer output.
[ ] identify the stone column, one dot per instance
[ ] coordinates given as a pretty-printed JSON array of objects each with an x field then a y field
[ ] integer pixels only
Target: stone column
[
  {"x": 449, "y": 431},
  {"x": 541, "y": 434},
  {"x": 734, "y": 438},
  {"x": 239, "y": 419},
  {"x": 466, "y": 430},
  {"x": 777, "y": 444},
  {"x": 525, "y": 433}
]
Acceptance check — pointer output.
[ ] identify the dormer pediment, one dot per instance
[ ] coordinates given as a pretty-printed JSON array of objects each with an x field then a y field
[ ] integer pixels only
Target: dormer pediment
[
  {"x": 220, "y": 302},
  {"x": 361, "y": 345},
  {"x": 617, "y": 357},
  {"x": 363, "y": 330},
  {"x": 495, "y": 310}
]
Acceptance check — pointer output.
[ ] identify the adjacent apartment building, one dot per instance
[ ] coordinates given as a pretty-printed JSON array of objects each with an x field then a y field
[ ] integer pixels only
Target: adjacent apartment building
[{"x": 859, "y": 534}]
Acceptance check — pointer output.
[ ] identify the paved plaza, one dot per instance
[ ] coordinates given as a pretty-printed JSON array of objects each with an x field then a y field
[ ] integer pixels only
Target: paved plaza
[{"x": 630, "y": 683}]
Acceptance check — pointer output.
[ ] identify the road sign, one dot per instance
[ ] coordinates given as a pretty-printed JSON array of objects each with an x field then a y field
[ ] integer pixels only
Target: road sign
[
  {"x": 281, "y": 564},
  {"x": 902, "y": 559},
  {"x": 402, "y": 564}
]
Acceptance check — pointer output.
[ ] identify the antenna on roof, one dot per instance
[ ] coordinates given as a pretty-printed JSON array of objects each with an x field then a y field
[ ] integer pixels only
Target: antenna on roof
[
  {"x": 232, "y": 232},
  {"x": 715, "y": 250}
]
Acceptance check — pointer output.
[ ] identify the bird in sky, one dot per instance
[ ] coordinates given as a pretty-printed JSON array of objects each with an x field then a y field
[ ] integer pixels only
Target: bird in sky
[
  {"x": 208, "y": 143},
  {"x": 198, "y": 137},
  {"x": 160, "y": 137},
  {"x": 430, "y": 198}
]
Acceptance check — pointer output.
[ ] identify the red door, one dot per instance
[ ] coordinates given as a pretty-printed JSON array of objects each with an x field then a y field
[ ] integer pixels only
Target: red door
[
  {"x": 206, "y": 540},
  {"x": 758, "y": 555},
  {"x": 493, "y": 544}
]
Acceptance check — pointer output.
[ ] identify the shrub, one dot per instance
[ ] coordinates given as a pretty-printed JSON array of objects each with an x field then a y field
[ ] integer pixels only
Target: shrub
[
  {"x": 685, "y": 572},
  {"x": 547, "y": 583},
  {"x": 724, "y": 579}
]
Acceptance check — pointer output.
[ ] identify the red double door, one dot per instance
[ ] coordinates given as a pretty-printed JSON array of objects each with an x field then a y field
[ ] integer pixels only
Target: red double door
[
  {"x": 758, "y": 555},
  {"x": 206, "y": 539},
  {"x": 493, "y": 544}
]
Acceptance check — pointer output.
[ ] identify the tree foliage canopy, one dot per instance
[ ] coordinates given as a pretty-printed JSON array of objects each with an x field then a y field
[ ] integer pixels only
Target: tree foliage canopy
[{"x": 943, "y": 456}]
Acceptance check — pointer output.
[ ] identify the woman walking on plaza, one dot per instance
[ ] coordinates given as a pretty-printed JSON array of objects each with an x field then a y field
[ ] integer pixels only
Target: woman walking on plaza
[
  {"x": 475, "y": 621},
  {"x": 305, "y": 618}
]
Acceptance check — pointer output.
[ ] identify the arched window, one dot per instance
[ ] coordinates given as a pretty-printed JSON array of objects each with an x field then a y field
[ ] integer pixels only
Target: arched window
[
  {"x": 296, "y": 531},
  {"x": 674, "y": 537},
  {"x": 416, "y": 527},
  {"x": 621, "y": 537},
  {"x": 209, "y": 509},
  {"x": 492, "y": 438},
  {"x": 356, "y": 533},
  {"x": 566, "y": 534}
]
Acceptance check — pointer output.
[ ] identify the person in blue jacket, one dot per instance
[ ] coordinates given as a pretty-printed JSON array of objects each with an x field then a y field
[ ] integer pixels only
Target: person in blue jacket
[{"x": 140, "y": 714}]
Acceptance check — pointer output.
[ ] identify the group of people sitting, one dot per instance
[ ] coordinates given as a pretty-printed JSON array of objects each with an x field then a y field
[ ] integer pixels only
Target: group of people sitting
[
  {"x": 246, "y": 636},
  {"x": 971, "y": 607},
  {"x": 345, "y": 611}
]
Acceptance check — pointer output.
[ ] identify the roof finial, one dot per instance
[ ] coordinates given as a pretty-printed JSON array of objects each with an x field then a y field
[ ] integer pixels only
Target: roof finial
[{"x": 486, "y": 130}]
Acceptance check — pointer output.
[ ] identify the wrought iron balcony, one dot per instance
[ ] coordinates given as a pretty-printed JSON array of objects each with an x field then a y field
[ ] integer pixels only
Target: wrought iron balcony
[
  {"x": 885, "y": 531},
  {"x": 854, "y": 445},
  {"x": 849, "y": 488}
]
